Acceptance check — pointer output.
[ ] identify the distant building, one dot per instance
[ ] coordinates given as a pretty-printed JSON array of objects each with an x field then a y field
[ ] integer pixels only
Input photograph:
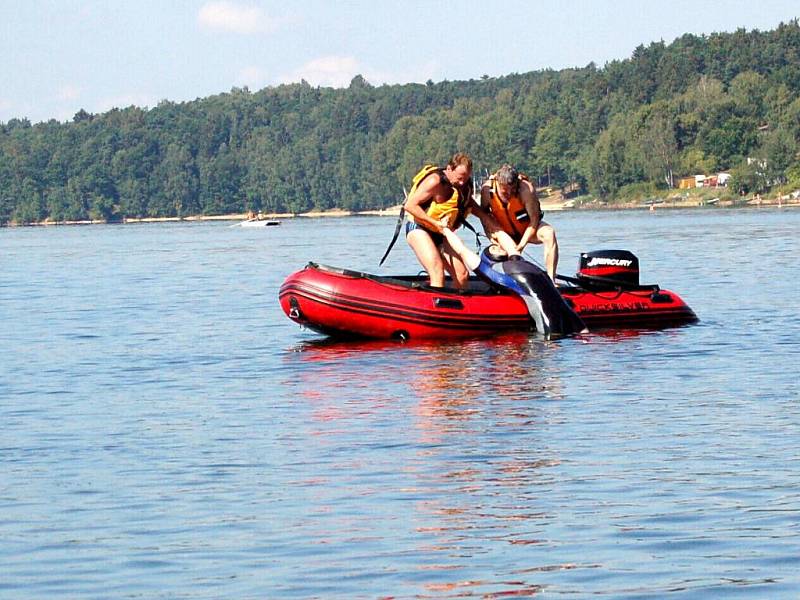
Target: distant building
[{"x": 699, "y": 181}]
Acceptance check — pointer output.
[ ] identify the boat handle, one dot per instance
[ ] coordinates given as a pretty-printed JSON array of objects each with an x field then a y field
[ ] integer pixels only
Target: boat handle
[
  {"x": 294, "y": 308},
  {"x": 448, "y": 303}
]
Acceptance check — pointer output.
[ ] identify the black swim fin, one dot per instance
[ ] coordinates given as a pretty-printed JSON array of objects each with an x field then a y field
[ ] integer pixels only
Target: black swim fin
[{"x": 559, "y": 316}]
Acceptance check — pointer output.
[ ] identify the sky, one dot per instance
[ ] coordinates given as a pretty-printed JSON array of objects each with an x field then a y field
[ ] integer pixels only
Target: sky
[{"x": 60, "y": 56}]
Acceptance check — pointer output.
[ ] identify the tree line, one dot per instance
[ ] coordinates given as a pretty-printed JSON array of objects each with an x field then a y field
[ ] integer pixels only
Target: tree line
[{"x": 698, "y": 105}]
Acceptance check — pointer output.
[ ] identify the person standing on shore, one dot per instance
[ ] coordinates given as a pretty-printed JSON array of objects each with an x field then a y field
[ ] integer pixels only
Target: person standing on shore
[{"x": 510, "y": 198}]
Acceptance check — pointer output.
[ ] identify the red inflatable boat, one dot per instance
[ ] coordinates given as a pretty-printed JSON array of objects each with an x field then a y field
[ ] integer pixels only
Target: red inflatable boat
[{"x": 343, "y": 303}]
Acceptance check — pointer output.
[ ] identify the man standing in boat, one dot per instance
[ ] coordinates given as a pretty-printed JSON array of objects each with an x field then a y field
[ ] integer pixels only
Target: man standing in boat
[
  {"x": 510, "y": 198},
  {"x": 443, "y": 195}
]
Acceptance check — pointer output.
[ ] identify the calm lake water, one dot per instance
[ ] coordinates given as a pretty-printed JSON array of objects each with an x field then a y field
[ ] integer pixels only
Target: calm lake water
[{"x": 168, "y": 433}]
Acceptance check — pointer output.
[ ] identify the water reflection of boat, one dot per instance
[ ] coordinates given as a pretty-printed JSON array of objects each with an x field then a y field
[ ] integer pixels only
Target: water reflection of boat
[
  {"x": 459, "y": 431},
  {"x": 343, "y": 303},
  {"x": 447, "y": 382}
]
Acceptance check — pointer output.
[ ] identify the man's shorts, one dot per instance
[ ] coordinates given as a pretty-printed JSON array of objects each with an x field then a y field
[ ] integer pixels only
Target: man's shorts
[{"x": 438, "y": 238}]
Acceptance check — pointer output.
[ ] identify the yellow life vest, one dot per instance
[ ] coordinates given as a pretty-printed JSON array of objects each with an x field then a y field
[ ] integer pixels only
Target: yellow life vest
[
  {"x": 454, "y": 207},
  {"x": 512, "y": 217}
]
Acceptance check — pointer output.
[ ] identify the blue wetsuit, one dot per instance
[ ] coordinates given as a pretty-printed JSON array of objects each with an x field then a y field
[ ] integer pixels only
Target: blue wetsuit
[
  {"x": 545, "y": 304},
  {"x": 486, "y": 271}
]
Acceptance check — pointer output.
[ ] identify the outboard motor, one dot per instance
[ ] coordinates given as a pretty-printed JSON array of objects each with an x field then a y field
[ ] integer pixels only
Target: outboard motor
[{"x": 608, "y": 269}]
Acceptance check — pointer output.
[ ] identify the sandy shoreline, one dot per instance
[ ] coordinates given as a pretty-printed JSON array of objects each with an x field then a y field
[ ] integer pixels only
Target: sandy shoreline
[{"x": 393, "y": 211}]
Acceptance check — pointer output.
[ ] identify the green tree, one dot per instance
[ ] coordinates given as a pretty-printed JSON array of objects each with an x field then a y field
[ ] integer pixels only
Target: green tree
[
  {"x": 698, "y": 104},
  {"x": 747, "y": 178},
  {"x": 779, "y": 148},
  {"x": 552, "y": 148},
  {"x": 658, "y": 145}
]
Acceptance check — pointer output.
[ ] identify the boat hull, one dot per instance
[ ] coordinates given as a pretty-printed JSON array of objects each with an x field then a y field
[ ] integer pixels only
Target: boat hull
[
  {"x": 258, "y": 223},
  {"x": 643, "y": 307},
  {"x": 345, "y": 303},
  {"x": 342, "y": 303}
]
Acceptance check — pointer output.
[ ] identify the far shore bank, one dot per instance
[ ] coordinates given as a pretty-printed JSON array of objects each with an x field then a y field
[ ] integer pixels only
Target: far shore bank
[{"x": 394, "y": 211}]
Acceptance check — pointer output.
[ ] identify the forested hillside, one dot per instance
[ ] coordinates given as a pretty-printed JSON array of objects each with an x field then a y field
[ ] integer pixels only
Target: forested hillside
[{"x": 698, "y": 105}]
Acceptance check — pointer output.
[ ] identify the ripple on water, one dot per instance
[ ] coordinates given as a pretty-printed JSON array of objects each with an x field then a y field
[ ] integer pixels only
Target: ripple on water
[{"x": 167, "y": 432}]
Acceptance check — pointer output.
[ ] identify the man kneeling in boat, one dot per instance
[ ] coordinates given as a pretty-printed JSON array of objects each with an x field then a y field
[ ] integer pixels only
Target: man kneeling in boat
[
  {"x": 443, "y": 195},
  {"x": 511, "y": 199},
  {"x": 548, "y": 309}
]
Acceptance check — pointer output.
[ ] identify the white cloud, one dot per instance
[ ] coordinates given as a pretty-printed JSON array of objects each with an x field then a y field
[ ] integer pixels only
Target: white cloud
[
  {"x": 67, "y": 104},
  {"x": 68, "y": 93},
  {"x": 235, "y": 18},
  {"x": 412, "y": 74},
  {"x": 138, "y": 99},
  {"x": 328, "y": 71},
  {"x": 6, "y": 110},
  {"x": 338, "y": 71},
  {"x": 253, "y": 77}
]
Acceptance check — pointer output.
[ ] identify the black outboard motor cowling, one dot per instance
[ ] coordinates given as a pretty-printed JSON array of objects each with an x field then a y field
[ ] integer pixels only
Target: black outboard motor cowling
[{"x": 608, "y": 269}]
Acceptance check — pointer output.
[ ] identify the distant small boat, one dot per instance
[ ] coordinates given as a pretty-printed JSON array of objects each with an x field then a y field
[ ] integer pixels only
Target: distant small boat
[{"x": 258, "y": 223}]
